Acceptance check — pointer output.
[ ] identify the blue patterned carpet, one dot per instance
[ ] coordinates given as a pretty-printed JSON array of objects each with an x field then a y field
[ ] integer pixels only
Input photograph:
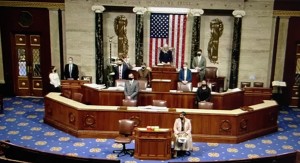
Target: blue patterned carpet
[{"x": 22, "y": 124}]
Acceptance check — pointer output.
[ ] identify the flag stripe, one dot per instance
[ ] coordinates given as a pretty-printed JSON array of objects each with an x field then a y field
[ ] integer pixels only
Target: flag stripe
[{"x": 173, "y": 35}]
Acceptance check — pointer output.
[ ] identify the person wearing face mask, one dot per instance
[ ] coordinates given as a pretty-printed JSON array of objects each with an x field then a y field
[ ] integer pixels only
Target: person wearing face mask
[
  {"x": 182, "y": 132},
  {"x": 185, "y": 74},
  {"x": 199, "y": 63},
  {"x": 131, "y": 89},
  {"x": 203, "y": 92},
  {"x": 54, "y": 80},
  {"x": 144, "y": 73},
  {"x": 71, "y": 70},
  {"x": 121, "y": 69}
]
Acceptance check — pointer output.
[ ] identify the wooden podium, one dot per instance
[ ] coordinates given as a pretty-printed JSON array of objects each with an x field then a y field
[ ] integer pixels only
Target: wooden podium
[
  {"x": 161, "y": 85},
  {"x": 153, "y": 145}
]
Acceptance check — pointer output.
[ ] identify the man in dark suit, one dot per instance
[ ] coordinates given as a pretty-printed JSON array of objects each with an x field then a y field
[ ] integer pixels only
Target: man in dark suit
[
  {"x": 199, "y": 63},
  {"x": 71, "y": 70},
  {"x": 121, "y": 70},
  {"x": 131, "y": 89},
  {"x": 185, "y": 74},
  {"x": 165, "y": 55}
]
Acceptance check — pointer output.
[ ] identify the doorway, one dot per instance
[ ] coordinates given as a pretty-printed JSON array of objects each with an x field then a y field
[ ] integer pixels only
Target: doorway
[{"x": 27, "y": 64}]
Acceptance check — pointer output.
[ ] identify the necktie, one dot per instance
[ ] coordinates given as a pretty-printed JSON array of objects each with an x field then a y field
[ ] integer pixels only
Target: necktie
[
  {"x": 70, "y": 70},
  {"x": 185, "y": 72},
  {"x": 120, "y": 72}
]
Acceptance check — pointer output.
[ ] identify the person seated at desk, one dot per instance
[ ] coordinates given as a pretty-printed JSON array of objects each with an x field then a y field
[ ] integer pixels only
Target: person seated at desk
[
  {"x": 131, "y": 89},
  {"x": 71, "y": 70},
  {"x": 144, "y": 73},
  {"x": 165, "y": 55},
  {"x": 203, "y": 92},
  {"x": 185, "y": 74},
  {"x": 182, "y": 132},
  {"x": 121, "y": 70}
]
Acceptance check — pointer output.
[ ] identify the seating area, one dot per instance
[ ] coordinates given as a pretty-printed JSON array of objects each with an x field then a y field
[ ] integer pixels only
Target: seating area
[
  {"x": 17, "y": 153},
  {"x": 162, "y": 103},
  {"x": 205, "y": 105}
]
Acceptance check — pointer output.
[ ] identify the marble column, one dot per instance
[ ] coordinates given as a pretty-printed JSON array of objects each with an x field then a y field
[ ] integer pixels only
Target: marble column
[
  {"x": 236, "y": 44},
  {"x": 139, "y": 35},
  {"x": 99, "y": 56},
  {"x": 195, "y": 32}
]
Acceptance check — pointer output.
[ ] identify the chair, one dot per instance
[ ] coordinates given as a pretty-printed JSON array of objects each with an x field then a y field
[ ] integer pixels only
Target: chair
[
  {"x": 127, "y": 102},
  {"x": 159, "y": 103},
  {"x": 211, "y": 77},
  {"x": 142, "y": 84},
  {"x": 120, "y": 83},
  {"x": 67, "y": 93},
  {"x": 126, "y": 127},
  {"x": 205, "y": 105},
  {"x": 77, "y": 97},
  {"x": 258, "y": 84},
  {"x": 184, "y": 87},
  {"x": 87, "y": 78},
  {"x": 245, "y": 84}
]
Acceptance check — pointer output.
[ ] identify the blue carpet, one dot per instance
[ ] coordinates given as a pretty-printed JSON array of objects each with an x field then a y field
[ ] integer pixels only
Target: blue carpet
[{"x": 22, "y": 124}]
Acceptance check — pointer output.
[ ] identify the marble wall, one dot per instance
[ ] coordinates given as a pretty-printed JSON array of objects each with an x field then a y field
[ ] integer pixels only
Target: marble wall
[
  {"x": 1, "y": 63},
  {"x": 256, "y": 39}
]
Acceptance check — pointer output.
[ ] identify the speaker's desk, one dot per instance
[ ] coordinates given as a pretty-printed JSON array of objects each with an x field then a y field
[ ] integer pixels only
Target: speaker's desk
[{"x": 153, "y": 145}]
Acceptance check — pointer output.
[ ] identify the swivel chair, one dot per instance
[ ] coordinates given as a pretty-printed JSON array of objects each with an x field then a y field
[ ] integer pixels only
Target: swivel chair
[
  {"x": 129, "y": 102},
  {"x": 159, "y": 103},
  {"x": 258, "y": 84},
  {"x": 245, "y": 84},
  {"x": 126, "y": 127},
  {"x": 205, "y": 105},
  {"x": 184, "y": 87},
  {"x": 77, "y": 97}
]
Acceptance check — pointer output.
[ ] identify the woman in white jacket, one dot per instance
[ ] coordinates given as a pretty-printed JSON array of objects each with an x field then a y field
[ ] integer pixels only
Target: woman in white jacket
[{"x": 54, "y": 80}]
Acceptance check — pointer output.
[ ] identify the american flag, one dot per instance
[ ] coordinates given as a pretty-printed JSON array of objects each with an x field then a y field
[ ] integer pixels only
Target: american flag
[{"x": 167, "y": 29}]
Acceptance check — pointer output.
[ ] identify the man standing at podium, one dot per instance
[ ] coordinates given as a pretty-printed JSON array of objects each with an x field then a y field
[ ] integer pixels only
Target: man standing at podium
[
  {"x": 199, "y": 63},
  {"x": 71, "y": 70},
  {"x": 121, "y": 70},
  {"x": 185, "y": 74},
  {"x": 131, "y": 89},
  {"x": 165, "y": 55}
]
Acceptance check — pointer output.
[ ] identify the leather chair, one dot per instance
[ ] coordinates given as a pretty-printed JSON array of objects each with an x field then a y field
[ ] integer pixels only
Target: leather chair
[
  {"x": 120, "y": 83},
  {"x": 184, "y": 87},
  {"x": 87, "y": 78},
  {"x": 245, "y": 84},
  {"x": 142, "y": 84},
  {"x": 127, "y": 102},
  {"x": 126, "y": 127},
  {"x": 67, "y": 93},
  {"x": 211, "y": 77},
  {"x": 159, "y": 103},
  {"x": 77, "y": 97},
  {"x": 258, "y": 84},
  {"x": 205, "y": 105}
]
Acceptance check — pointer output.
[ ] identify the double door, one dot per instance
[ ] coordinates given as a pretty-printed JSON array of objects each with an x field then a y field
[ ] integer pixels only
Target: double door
[{"x": 27, "y": 65}]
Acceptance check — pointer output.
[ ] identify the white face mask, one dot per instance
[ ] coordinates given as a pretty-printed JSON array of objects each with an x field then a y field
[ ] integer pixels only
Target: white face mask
[
  {"x": 185, "y": 68},
  {"x": 70, "y": 62}
]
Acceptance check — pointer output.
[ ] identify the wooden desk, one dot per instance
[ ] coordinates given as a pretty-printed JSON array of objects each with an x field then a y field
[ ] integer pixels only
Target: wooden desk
[
  {"x": 226, "y": 126},
  {"x": 255, "y": 95},
  {"x": 222, "y": 101},
  {"x": 161, "y": 85},
  {"x": 152, "y": 145},
  {"x": 72, "y": 85}
]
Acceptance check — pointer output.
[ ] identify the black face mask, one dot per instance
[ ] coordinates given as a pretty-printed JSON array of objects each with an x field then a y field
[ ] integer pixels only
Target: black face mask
[
  {"x": 54, "y": 70},
  {"x": 181, "y": 118},
  {"x": 130, "y": 78},
  {"x": 143, "y": 68}
]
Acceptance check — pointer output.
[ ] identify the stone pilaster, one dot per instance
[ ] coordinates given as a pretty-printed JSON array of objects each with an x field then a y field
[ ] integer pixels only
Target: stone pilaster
[
  {"x": 139, "y": 35},
  {"x": 195, "y": 44},
  {"x": 99, "y": 56},
  {"x": 236, "y": 44}
]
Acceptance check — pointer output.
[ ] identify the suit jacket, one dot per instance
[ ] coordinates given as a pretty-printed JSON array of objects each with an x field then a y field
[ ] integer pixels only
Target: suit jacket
[
  {"x": 201, "y": 64},
  {"x": 131, "y": 90},
  {"x": 125, "y": 71},
  {"x": 188, "y": 75},
  {"x": 165, "y": 57},
  {"x": 74, "y": 73}
]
